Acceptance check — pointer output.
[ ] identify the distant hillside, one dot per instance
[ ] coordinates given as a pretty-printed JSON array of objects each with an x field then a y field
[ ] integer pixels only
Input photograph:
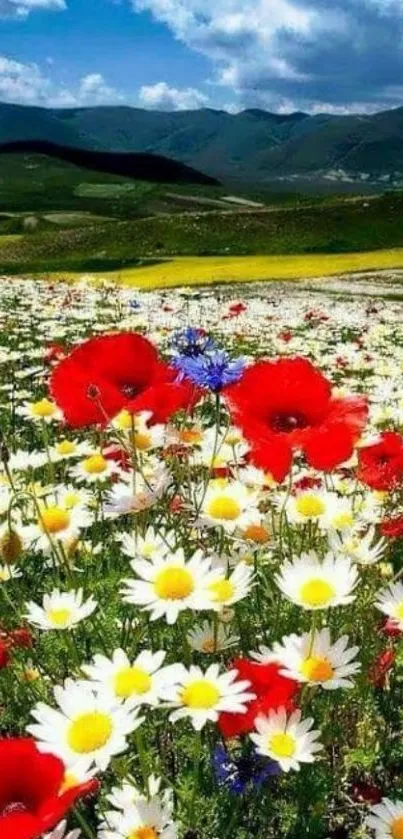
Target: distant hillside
[
  {"x": 253, "y": 146},
  {"x": 137, "y": 166}
]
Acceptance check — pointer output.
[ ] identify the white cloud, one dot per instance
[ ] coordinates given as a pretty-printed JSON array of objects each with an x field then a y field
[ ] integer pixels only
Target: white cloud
[
  {"x": 22, "y": 8},
  {"x": 162, "y": 97},
  {"x": 94, "y": 89},
  {"x": 28, "y": 85},
  {"x": 344, "y": 54}
]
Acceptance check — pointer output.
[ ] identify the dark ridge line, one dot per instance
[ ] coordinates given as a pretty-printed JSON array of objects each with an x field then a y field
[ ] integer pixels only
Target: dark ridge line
[{"x": 135, "y": 165}]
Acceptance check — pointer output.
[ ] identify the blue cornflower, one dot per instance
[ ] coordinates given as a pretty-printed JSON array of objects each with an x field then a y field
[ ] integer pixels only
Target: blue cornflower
[
  {"x": 134, "y": 304},
  {"x": 238, "y": 773},
  {"x": 213, "y": 370},
  {"x": 191, "y": 342}
]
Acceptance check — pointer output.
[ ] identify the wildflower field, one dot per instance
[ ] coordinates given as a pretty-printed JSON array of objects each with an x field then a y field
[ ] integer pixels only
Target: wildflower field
[{"x": 201, "y": 561}]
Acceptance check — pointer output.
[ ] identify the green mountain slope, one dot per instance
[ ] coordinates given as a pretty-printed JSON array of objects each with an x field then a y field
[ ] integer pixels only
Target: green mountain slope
[{"x": 254, "y": 146}]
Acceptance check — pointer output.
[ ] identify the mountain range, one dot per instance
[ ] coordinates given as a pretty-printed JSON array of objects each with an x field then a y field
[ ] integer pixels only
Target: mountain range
[{"x": 252, "y": 146}]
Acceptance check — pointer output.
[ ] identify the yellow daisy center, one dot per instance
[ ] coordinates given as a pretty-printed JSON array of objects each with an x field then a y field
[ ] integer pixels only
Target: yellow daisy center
[
  {"x": 59, "y": 617},
  {"x": 200, "y": 695},
  {"x": 71, "y": 500},
  {"x": 396, "y": 828},
  {"x": 95, "y": 464},
  {"x": 310, "y": 506},
  {"x": 173, "y": 583},
  {"x": 257, "y": 533},
  {"x": 124, "y": 420},
  {"x": 66, "y": 447},
  {"x": 145, "y": 832},
  {"x": 225, "y": 508},
  {"x": 221, "y": 590},
  {"x": 208, "y": 646},
  {"x": 5, "y": 575},
  {"x": 43, "y": 408},
  {"x": 399, "y": 611},
  {"x": 317, "y": 592},
  {"x": 131, "y": 680},
  {"x": 190, "y": 436},
  {"x": 317, "y": 669},
  {"x": 342, "y": 520},
  {"x": 282, "y": 745},
  {"x": 142, "y": 441},
  {"x": 89, "y": 732},
  {"x": 54, "y": 519}
]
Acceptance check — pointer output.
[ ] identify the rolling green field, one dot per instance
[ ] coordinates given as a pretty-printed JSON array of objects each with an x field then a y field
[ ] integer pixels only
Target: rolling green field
[
  {"x": 58, "y": 218},
  {"x": 346, "y": 227}
]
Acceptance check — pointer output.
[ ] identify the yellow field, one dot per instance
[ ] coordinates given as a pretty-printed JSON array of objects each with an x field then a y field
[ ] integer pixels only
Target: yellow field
[{"x": 207, "y": 270}]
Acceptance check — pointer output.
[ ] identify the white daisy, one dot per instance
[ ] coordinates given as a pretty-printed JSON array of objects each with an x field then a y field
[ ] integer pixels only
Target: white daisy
[
  {"x": 316, "y": 661},
  {"x": 60, "y": 833},
  {"x": 386, "y": 819},
  {"x": 58, "y": 523},
  {"x": 169, "y": 585},
  {"x": 390, "y": 602},
  {"x": 211, "y": 638},
  {"x": 360, "y": 548},
  {"x": 226, "y": 591},
  {"x": 94, "y": 468},
  {"x": 67, "y": 449},
  {"x": 88, "y": 726},
  {"x": 144, "y": 819},
  {"x": 60, "y": 610},
  {"x": 151, "y": 544},
  {"x": 288, "y": 740},
  {"x": 41, "y": 411},
  {"x": 318, "y": 584},
  {"x": 143, "y": 437},
  {"x": 203, "y": 696},
  {"x": 139, "y": 681},
  {"x": 228, "y": 504}
]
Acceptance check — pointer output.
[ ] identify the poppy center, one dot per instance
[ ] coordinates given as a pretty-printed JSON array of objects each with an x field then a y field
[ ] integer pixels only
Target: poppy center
[
  {"x": 282, "y": 745},
  {"x": 200, "y": 695},
  {"x": 132, "y": 680},
  {"x": 317, "y": 669},
  {"x": 317, "y": 592},
  {"x": 174, "y": 584},
  {"x": 89, "y": 732},
  {"x": 287, "y": 421},
  {"x": 224, "y": 508},
  {"x": 396, "y": 828},
  {"x": 13, "y": 807}
]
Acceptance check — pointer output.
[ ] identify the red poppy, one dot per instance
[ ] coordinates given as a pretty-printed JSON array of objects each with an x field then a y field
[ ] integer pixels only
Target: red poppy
[
  {"x": 381, "y": 667},
  {"x": 380, "y": 466},
  {"x": 287, "y": 405},
  {"x": 391, "y": 628},
  {"x": 392, "y": 528},
  {"x": 272, "y": 692},
  {"x": 106, "y": 374},
  {"x": 365, "y": 791},
  {"x": 30, "y": 783}
]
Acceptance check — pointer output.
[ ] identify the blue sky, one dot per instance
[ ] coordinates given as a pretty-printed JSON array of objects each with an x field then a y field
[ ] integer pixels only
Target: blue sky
[{"x": 282, "y": 55}]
